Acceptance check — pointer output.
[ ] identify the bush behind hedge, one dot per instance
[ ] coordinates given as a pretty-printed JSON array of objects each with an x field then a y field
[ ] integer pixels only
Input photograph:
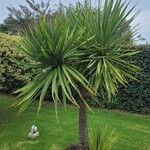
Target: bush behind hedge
[{"x": 12, "y": 76}]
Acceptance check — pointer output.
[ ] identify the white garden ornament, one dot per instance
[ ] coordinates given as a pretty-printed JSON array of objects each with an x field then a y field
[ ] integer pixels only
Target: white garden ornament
[{"x": 34, "y": 134}]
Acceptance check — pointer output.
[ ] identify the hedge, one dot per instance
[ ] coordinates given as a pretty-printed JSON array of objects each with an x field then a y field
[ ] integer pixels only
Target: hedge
[
  {"x": 12, "y": 76},
  {"x": 136, "y": 96}
]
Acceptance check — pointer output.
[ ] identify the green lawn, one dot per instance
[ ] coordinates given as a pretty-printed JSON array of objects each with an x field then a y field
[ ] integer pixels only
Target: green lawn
[{"x": 133, "y": 130}]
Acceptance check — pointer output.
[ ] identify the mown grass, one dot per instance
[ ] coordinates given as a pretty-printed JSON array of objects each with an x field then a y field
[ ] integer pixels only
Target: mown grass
[{"x": 133, "y": 130}]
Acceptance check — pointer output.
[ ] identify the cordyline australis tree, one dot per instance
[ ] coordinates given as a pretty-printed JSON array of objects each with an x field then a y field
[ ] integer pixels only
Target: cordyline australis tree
[{"x": 84, "y": 37}]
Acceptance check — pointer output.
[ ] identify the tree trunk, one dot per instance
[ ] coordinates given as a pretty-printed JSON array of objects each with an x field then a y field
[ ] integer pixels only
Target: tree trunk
[{"x": 83, "y": 126}]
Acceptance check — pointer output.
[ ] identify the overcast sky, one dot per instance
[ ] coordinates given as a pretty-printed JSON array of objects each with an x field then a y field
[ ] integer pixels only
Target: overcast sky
[{"x": 143, "y": 18}]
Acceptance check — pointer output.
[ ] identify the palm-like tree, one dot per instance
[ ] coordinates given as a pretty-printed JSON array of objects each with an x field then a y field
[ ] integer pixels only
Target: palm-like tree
[
  {"x": 53, "y": 48},
  {"x": 84, "y": 37},
  {"x": 105, "y": 57}
]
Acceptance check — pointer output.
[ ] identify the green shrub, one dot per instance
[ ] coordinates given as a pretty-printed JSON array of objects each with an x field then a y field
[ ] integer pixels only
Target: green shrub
[
  {"x": 12, "y": 75},
  {"x": 101, "y": 139}
]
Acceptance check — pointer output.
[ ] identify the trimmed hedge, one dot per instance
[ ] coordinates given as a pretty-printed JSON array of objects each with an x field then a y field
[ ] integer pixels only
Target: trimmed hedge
[
  {"x": 12, "y": 76},
  {"x": 136, "y": 96}
]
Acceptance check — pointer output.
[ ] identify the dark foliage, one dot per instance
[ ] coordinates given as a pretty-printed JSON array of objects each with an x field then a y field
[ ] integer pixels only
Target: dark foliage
[
  {"x": 136, "y": 96},
  {"x": 3, "y": 28}
]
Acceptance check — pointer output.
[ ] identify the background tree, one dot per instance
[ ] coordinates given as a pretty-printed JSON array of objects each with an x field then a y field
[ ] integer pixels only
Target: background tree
[
  {"x": 85, "y": 36},
  {"x": 3, "y": 28},
  {"x": 28, "y": 15}
]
